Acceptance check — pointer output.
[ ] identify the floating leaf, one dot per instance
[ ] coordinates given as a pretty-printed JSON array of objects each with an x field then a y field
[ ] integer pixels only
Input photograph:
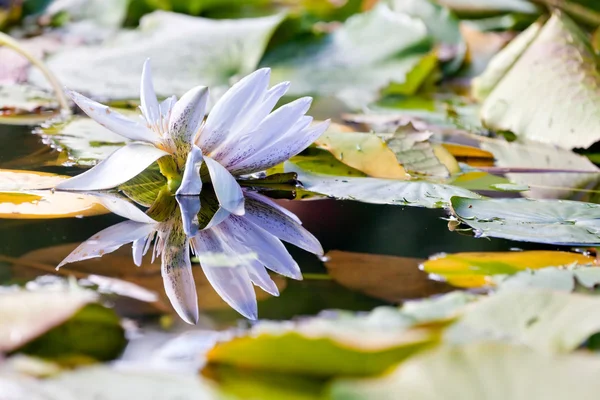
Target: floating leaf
[
  {"x": 547, "y": 320},
  {"x": 208, "y": 52},
  {"x": 566, "y": 279},
  {"x": 25, "y": 105},
  {"x": 390, "y": 278},
  {"x": 346, "y": 65},
  {"x": 539, "y": 156},
  {"x": 476, "y": 269},
  {"x": 482, "y": 371},
  {"x": 85, "y": 141},
  {"x": 379, "y": 191},
  {"x": 559, "y": 97},
  {"x": 479, "y": 7},
  {"x": 540, "y": 221}
]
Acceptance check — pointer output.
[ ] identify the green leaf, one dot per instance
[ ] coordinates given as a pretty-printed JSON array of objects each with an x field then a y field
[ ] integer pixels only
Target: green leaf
[
  {"x": 145, "y": 187},
  {"x": 345, "y": 64},
  {"x": 85, "y": 141},
  {"x": 185, "y": 51},
  {"x": 379, "y": 191},
  {"x": 559, "y": 97},
  {"x": 540, "y": 221},
  {"x": 544, "y": 319},
  {"x": 482, "y": 371}
]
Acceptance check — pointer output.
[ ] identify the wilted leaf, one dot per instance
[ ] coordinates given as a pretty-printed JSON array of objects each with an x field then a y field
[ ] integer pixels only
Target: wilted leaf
[
  {"x": 346, "y": 64},
  {"x": 379, "y": 191},
  {"x": 547, "y": 320},
  {"x": 477, "y": 269},
  {"x": 540, "y": 156},
  {"x": 558, "y": 100},
  {"x": 540, "y": 221},
  {"x": 200, "y": 52},
  {"x": 483, "y": 371},
  {"x": 389, "y": 278},
  {"x": 481, "y": 47}
]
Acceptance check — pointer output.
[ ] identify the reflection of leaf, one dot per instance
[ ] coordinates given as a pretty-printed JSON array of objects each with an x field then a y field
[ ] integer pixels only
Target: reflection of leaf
[
  {"x": 85, "y": 140},
  {"x": 207, "y": 52},
  {"x": 389, "y": 278},
  {"x": 346, "y": 64},
  {"x": 564, "y": 112},
  {"x": 534, "y": 155},
  {"x": 547, "y": 320},
  {"x": 539, "y": 221},
  {"x": 379, "y": 191},
  {"x": 483, "y": 371},
  {"x": 476, "y": 269}
]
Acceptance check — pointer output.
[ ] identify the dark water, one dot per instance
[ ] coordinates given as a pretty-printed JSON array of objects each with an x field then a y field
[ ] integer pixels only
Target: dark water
[{"x": 340, "y": 225}]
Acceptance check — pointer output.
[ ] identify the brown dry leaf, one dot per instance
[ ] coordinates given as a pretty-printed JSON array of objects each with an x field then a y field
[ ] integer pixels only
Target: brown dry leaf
[{"x": 389, "y": 278}]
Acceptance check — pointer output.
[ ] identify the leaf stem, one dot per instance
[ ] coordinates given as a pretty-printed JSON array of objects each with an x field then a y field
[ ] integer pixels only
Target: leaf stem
[{"x": 11, "y": 43}]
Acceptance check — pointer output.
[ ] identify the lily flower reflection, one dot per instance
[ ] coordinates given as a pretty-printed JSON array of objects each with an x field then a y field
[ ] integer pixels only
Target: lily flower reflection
[
  {"x": 233, "y": 250},
  {"x": 240, "y": 136}
]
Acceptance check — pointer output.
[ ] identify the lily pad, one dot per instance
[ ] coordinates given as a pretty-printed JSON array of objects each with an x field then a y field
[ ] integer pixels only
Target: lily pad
[
  {"x": 541, "y": 221},
  {"x": 482, "y": 371},
  {"x": 478, "y": 269},
  {"x": 26, "y": 105},
  {"x": 200, "y": 52},
  {"x": 546, "y": 320},
  {"x": 573, "y": 278},
  {"x": 379, "y": 191},
  {"x": 564, "y": 112},
  {"x": 345, "y": 64}
]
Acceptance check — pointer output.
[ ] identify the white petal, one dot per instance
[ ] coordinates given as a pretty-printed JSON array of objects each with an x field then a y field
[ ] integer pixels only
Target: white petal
[
  {"x": 268, "y": 131},
  {"x": 119, "y": 167},
  {"x": 280, "y": 225},
  {"x": 232, "y": 283},
  {"x": 226, "y": 188},
  {"x": 191, "y": 183},
  {"x": 260, "y": 277},
  {"x": 271, "y": 203},
  {"x": 121, "y": 206},
  {"x": 179, "y": 280},
  {"x": 219, "y": 217},
  {"x": 188, "y": 114},
  {"x": 230, "y": 109},
  {"x": 166, "y": 108},
  {"x": 109, "y": 240},
  {"x": 189, "y": 207},
  {"x": 269, "y": 250},
  {"x": 149, "y": 103},
  {"x": 138, "y": 250},
  {"x": 292, "y": 143},
  {"x": 113, "y": 120}
]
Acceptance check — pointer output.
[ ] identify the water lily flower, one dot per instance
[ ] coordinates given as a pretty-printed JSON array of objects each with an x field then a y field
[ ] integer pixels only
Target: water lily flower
[
  {"x": 241, "y": 135},
  {"x": 233, "y": 250}
]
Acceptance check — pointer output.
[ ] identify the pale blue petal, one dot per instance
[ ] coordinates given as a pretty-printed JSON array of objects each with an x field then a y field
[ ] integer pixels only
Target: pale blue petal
[
  {"x": 188, "y": 114},
  {"x": 113, "y": 120},
  {"x": 281, "y": 225},
  {"x": 191, "y": 183},
  {"x": 271, "y": 203},
  {"x": 179, "y": 280},
  {"x": 189, "y": 206},
  {"x": 109, "y": 240},
  {"x": 121, "y": 206},
  {"x": 240, "y": 99},
  {"x": 219, "y": 217},
  {"x": 228, "y": 191},
  {"x": 122, "y": 165}
]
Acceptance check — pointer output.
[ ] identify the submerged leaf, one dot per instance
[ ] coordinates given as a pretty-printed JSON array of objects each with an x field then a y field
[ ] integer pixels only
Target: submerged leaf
[
  {"x": 540, "y": 221},
  {"x": 481, "y": 371},
  {"x": 477, "y": 269},
  {"x": 558, "y": 100}
]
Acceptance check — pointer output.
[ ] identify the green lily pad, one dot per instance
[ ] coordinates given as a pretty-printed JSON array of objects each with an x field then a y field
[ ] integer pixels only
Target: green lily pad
[
  {"x": 559, "y": 97},
  {"x": 482, "y": 371},
  {"x": 346, "y": 65},
  {"x": 200, "y": 52},
  {"x": 417, "y": 193},
  {"x": 544, "y": 319},
  {"x": 541, "y": 221}
]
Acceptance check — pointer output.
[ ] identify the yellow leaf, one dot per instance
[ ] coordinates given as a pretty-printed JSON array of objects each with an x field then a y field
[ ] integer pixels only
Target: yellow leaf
[{"x": 474, "y": 269}]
